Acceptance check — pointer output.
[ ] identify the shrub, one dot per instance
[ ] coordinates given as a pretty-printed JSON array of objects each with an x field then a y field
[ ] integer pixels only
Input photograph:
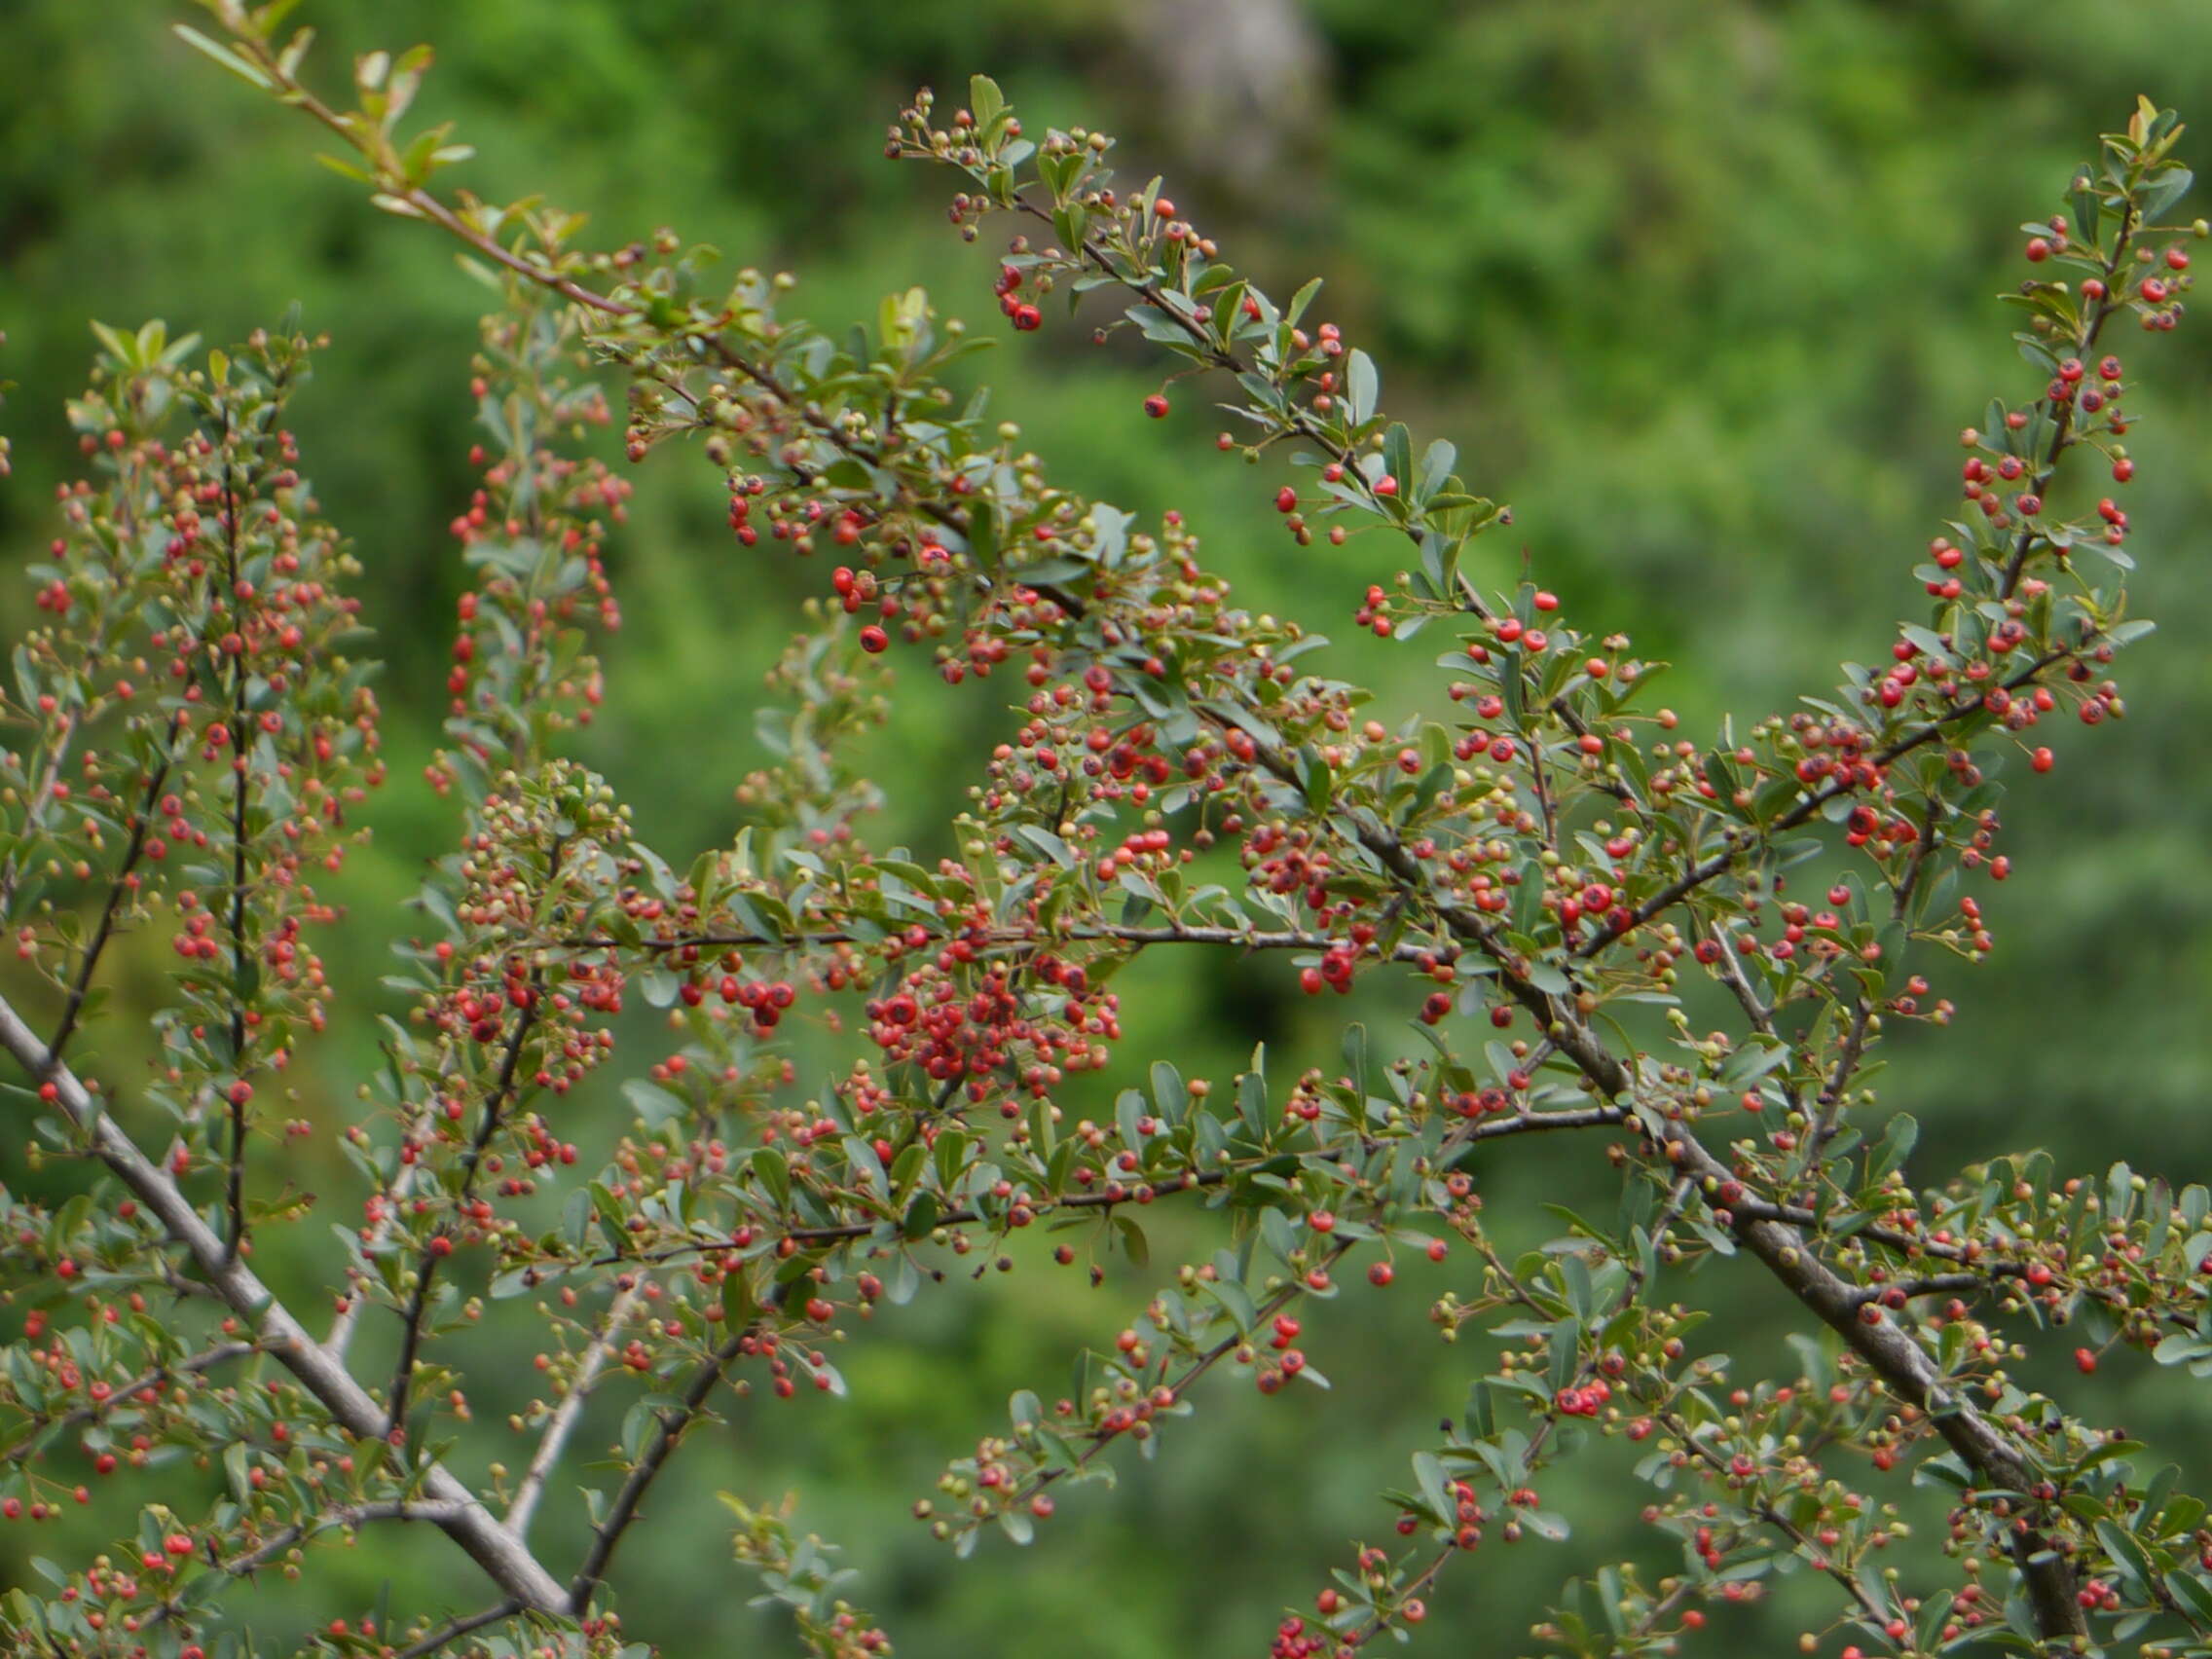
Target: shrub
[{"x": 1588, "y": 919}]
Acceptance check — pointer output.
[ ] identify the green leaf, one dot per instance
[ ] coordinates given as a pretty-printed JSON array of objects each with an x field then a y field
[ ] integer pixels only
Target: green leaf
[
  {"x": 739, "y": 1306},
  {"x": 1237, "y": 1302},
  {"x": 775, "y": 1174},
  {"x": 1930, "y": 644},
  {"x": 1435, "y": 1486},
  {"x": 1898, "y": 1137},
  {"x": 1565, "y": 1347},
  {"x": 986, "y": 103},
  {"x": 1168, "y": 1092},
  {"x": 2126, "y": 1553},
  {"x": 1360, "y": 387},
  {"x": 224, "y": 56},
  {"x": 2180, "y": 1348},
  {"x": 1134, "y": 1241},
  {"x": 1355, "y": 1054},
  {"x": 921, "y": 1215},
  {"x": 2168, "y": 189},
  {"x": 1398, "y": 456},
  {"x": 654, "y": 1104},
  {"x": 2190, "y": 1588},
  {"x": 950, "y": 1155}
]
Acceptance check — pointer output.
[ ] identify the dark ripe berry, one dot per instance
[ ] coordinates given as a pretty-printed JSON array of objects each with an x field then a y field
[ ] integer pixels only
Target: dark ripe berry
[
  {"x": 873, "y": 639},
  {"x": 1156, "y": 406}
]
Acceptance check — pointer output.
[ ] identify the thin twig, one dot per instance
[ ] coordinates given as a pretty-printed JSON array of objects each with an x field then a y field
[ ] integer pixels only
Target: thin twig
[
  {"x": 349, "y": 1317},
  {"x": 81, "y": 987},
  {"x": 285, "y": 1539},
  {"x": 457, "y": 1627},
  {"x": 1489, "y": 1128},
  {"x": 567, "y": 1414},
  {"x": 124, "y": 1396},
  {"x": 1780, "y": 1523},
  {"x": 668, "y": 1426},
  {"x": 427, "y": 1259}
]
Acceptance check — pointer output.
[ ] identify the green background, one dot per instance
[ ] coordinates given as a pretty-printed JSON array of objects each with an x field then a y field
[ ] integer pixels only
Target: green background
[{"x": 1703, "y": 288}]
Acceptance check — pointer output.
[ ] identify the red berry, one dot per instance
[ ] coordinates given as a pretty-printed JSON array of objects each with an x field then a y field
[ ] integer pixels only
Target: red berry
[
  {"x": 2086, "y": 1360},
  {"x": 874, "y": 639},
  {"x": 1156, "y": 406}
]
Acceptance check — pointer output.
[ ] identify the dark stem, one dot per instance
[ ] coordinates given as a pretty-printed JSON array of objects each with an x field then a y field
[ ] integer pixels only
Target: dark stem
[
  {"x": 459, "y": 1626},
  {"x": 427, "y": 1262},
  {"x": 669, "y": 1427},
  {"x": 80, "y": 988}
]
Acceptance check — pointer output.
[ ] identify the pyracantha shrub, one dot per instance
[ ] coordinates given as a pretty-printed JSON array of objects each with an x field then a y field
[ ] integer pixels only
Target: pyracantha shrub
[{"x": 1539, "y": 864}]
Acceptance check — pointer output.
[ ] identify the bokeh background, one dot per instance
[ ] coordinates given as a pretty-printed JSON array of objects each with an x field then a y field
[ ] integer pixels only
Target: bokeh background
[{"x": 1703, "y": 287}]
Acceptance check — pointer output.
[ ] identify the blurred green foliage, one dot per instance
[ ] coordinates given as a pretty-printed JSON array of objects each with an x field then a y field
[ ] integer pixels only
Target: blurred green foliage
[{"x": 1702, "y": 286}]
